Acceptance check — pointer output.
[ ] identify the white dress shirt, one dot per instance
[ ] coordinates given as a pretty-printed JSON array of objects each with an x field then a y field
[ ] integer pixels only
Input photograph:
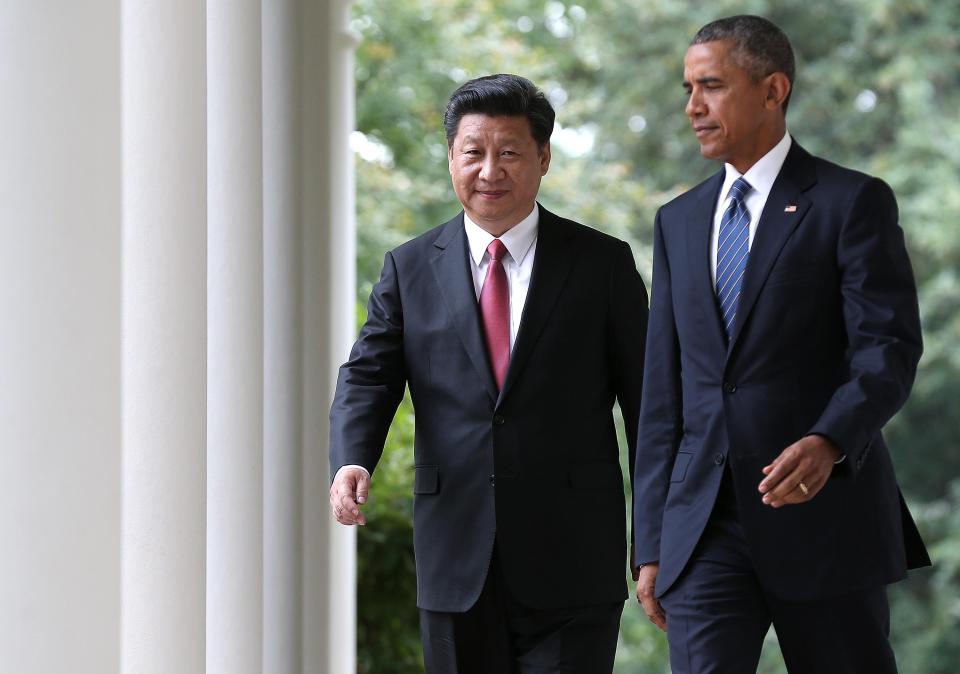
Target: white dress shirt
[
  {"x": 761, "y": 177},
  {"x": 521, "y": 244}
]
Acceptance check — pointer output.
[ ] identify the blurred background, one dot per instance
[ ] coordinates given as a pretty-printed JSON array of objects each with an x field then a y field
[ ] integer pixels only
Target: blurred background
[{"x": 878, "y": 89}]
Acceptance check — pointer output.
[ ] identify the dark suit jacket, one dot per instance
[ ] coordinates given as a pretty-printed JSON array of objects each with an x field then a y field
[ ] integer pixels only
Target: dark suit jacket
[
  {"x": 534, "y": 468},
  {"x": 826, "y": 341}
]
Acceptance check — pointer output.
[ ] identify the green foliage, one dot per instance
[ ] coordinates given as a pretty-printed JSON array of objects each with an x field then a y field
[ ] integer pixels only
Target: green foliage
[{"x": 878, "y": 88}]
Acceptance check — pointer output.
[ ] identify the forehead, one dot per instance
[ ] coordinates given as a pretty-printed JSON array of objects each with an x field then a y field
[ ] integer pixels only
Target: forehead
[
  {"x": 487, "y": 127},
  {"x": 709, "y": 58}
]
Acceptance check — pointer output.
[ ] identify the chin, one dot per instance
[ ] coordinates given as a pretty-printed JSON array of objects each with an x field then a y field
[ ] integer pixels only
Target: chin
[{"x": 708, "y": 152}]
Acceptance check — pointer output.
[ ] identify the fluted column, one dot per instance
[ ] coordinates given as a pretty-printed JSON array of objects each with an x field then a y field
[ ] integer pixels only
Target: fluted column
[
  {"x": 235, "y": 346},
  {"x": 283, "y": 343},
  {"x": 329, "y": 292},
  {"x": 60, "y": 339},
  {"x": 164, "y": 339}
]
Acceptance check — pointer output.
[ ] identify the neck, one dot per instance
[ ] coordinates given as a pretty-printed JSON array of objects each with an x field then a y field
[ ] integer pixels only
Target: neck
[{"x": 760, "y": 150}]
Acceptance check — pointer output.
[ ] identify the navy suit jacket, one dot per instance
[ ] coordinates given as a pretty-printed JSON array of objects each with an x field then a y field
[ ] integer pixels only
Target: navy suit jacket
[
  {"x": 826, "y": 341},
  {"x": 534, "y": 466}
]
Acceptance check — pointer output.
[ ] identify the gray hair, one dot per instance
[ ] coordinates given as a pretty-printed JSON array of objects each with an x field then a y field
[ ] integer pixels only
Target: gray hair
[{"x": 759, "y": 46}]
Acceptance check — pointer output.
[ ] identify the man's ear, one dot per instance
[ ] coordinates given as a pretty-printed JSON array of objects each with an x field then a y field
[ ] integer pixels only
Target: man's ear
[
  {"x": 544, "y": 158},
  {"x": 778, "y": 88}
]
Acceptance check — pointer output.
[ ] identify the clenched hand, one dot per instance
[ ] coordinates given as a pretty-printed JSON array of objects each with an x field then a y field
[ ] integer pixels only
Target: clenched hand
[{"x": 347, "y": 493}]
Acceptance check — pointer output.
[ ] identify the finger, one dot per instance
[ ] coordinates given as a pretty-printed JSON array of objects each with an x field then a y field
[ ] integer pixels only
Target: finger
[
  {"x": 813, "y": 474},
  {"x": 814, "y": 482},
  {"x": 783, "y": 466},
  {"x": 655, "y": 612},
  {"x": 786, "y": 486},
  {"x": 363, "y": 488},
  {"x": 339, "y": 515},
  {"x": 351, "y": 512}
]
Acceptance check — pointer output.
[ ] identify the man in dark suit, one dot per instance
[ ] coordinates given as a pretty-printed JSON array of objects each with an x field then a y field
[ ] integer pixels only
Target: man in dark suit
[
  {"x": 784, "y": 334},
  {"x": 515, "y": 330}
]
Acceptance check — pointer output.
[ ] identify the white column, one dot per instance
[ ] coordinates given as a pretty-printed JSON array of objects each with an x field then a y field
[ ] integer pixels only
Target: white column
[
  {"x": 341, "y": 268},
  {"x": 235, "y": 344},
  {"x": 283, "y": 343},
  {"x": 60, "y": 339},
  {"x": 329, "y": 291},
  {"x": 164, "y": 336}
]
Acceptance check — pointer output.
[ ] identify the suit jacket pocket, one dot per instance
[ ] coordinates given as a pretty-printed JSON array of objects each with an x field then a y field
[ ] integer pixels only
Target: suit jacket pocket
[
  {"x": 680, "y": 466},
  {"x": 426, "y": 479},
  {"x": 596, "y": 476}
]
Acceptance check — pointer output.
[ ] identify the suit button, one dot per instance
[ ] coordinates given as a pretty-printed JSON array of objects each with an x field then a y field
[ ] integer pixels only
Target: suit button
[
  {"x": 729, "y": 387},
  {"x": 718, "y": 459},
  {"x": 493, "y": 479},
  {"x": 498, "y": 419}
]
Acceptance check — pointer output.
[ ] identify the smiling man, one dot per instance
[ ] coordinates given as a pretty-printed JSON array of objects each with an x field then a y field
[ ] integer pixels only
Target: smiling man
[
  {"x": 784, "y": 333},
  {"x": 516, "y": 331}
]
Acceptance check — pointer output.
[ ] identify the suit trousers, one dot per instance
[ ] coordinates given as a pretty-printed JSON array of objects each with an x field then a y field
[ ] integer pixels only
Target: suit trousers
[
  {"x": 718, "y": 613},
  {"x": 498, "y": 635}
]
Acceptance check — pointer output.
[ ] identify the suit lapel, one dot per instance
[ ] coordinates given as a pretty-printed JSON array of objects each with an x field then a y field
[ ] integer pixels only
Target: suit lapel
[
  {"x": 699, "y": 229},
  {"x": 451, "y": 269},
  {"x": 777, "y": 222},
  {"x": 551, "y": 266}
]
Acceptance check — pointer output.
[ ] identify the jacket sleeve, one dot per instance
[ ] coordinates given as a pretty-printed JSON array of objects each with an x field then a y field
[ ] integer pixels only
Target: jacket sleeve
[
  {"x": 882, "y": 322},
  {"x": 661, "y": 414},
  {"x": 370, "y": 384},
  {"x": 628, "y": 331}
]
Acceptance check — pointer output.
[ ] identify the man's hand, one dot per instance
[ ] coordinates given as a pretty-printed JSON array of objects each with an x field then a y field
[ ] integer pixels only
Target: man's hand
[
  {"x": 347, "y": 493},
  {"x": 800, "y": 472},
  {"x": 645, "y": 584}
]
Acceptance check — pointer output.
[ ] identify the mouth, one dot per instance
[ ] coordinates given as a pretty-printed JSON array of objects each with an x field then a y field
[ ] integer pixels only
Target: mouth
[
  {"x": 491, "y": 194},
  {"x": 703, "y": 130}
]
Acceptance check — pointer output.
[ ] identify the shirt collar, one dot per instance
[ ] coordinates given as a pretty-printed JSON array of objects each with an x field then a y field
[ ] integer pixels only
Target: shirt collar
[
  {"x": 763, "y": 173},
  {"x": 517, "y": 240}
]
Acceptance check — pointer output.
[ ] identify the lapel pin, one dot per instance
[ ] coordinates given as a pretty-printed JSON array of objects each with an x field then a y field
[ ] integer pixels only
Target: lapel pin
[{"x": 790, "y": 209}]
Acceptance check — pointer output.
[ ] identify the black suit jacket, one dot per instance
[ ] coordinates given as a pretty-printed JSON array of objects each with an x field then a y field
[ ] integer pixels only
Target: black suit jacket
[
  {"x": 535, "y": 466},
  {"x": 826, "y": 341}
]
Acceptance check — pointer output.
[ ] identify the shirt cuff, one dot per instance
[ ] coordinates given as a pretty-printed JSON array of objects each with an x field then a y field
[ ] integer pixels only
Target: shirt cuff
[{"x": 350, "y": 465}]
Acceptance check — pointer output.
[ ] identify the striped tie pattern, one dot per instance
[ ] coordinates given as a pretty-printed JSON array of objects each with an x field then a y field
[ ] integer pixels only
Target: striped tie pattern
[{"x": 732, "y": 249}]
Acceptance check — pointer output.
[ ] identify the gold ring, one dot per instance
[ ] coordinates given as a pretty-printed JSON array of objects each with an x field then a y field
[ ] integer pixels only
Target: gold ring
[{"x": 803, "y": 488}]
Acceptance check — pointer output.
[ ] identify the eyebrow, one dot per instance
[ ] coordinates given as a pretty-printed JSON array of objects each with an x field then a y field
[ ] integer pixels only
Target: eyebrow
[
  {"x": 703, "y": 80},
  {"x": 505, "y": 140}
]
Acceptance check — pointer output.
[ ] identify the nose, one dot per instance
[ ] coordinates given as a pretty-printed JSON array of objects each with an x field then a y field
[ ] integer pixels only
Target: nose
[
  {"x": 490, "y": 169},
  {"x": 695, "y": 107}
]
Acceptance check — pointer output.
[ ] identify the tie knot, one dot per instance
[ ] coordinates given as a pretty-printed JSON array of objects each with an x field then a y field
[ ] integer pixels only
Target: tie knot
[
  {"x": 496, "y": 250},
  {"x": 739, "y": 188}
]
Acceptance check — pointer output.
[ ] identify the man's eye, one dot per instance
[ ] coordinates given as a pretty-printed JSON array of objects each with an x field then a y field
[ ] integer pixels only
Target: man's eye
[{"x": 508, "y": 153}]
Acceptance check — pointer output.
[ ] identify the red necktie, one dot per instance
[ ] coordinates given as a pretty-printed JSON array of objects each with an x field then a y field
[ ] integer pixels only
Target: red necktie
[{"x": 495, "y": 307}]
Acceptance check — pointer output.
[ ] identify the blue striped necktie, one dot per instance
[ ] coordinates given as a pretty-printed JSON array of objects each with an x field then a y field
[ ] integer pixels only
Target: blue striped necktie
[{"x": 732, "y": 249}]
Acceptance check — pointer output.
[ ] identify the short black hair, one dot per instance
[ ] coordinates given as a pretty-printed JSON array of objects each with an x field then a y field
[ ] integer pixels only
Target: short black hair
[
  {"x": 497, "y": 96},
  {"x": 759, "y": 46}
]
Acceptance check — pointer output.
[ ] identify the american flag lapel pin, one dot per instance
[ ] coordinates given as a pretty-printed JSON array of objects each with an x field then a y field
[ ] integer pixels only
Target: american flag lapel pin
[{"x": 792, "y": 208}]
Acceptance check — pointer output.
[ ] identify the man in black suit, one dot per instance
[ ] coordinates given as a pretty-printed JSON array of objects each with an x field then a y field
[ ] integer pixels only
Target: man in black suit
[
  {"x": 515, "y": 330},
  {"x": 784, "y": 334}
]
